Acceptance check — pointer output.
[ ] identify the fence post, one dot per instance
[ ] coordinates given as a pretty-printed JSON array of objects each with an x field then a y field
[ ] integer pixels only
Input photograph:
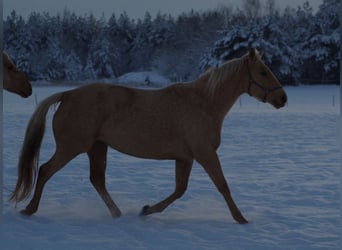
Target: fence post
[{"x": 333, "y": 101}]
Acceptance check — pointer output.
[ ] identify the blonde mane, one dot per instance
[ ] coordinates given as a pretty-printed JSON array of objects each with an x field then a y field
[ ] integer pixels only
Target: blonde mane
[{"x": 222, "y": 74}]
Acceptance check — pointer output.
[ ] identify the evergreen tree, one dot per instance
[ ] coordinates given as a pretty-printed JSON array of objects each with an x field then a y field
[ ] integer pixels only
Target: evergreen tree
[
  {"x": 299, "y": 45},
  {"x": 323, "y": 47},
  {"x": 266, "y": 36},
  {"x": 101, "y": 58},
  {"x": 142, "y": 45},
  {"x": 14, "y": 26},
  {"x": 121, "y": 35}
]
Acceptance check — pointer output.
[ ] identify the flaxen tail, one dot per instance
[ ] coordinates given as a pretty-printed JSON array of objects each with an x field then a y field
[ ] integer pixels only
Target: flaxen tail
[{"x": 29, "y": 156}]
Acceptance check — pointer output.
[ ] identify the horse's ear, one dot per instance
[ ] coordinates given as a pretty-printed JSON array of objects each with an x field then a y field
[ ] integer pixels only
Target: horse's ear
[
  {"x": 261, "y": 53},
  {"x": 251, "y": 53}
]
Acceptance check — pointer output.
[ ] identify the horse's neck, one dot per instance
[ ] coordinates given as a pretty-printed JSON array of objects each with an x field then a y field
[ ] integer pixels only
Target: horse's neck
[{"x": 226, "y": 94}]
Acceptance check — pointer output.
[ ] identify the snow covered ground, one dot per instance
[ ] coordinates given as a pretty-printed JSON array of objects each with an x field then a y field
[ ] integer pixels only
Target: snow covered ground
[{"x": 283, "y": 167}]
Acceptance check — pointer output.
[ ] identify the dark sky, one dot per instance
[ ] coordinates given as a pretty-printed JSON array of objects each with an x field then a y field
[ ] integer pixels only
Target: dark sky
[{"x": 134, "y": 8}]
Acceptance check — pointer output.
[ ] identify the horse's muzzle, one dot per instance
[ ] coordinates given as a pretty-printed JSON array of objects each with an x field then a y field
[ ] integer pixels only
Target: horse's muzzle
[{"x": 281, "y": 101}]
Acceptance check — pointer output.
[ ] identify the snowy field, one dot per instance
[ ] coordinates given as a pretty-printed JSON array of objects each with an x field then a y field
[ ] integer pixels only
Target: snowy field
[{"x": 283, "y": 167}]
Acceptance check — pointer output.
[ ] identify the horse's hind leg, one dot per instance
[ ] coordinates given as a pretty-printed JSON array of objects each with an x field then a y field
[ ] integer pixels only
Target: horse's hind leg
[
  {"x": 183, "y": 169},
  {"x": 46, "y": 171},
  {"x": 97, "y": 157}
]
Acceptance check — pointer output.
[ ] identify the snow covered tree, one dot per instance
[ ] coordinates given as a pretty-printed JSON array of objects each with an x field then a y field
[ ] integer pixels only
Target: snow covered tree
[
  {"x": 142, "y": 45},
  {"x": 14, "y": 25},
  {"x": 121, "y": 35},
  {"x": 299, "y": 45},
  {"x": 266, "y": 36},
  {"x": 163, "y": 29},
  {"x": 33, "y": 43},
  {"x": 61, "y": 64},
  {"x": 152, "y": 36},
  {"x": 101, "y": 57},
  {"x": 322, "y": 49},
  {"x": 191, "y": 35},
  {"x": 14, "y": 28}
]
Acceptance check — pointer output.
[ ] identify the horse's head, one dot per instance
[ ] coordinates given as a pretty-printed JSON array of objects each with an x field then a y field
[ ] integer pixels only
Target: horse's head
[
  {"x": 14, "y": 80},
  {"x": 262, "y": 84}
]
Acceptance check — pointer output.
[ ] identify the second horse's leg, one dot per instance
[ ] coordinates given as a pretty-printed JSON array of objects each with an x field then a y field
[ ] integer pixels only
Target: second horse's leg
[
  {"x": 97, "y": 157},
  {"x": 183, "y": 169}
]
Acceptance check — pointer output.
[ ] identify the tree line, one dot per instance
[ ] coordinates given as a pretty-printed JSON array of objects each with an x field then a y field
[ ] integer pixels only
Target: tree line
[{"x": 300, "y": 46}]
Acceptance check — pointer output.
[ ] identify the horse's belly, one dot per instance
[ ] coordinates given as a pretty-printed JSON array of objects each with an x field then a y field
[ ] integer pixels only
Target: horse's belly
[{"x": 151, "y": 145}]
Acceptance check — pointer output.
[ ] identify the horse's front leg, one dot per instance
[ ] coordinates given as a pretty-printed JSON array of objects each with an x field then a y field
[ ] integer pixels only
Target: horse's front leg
[
  {"x": 183, "y": 169},
  {"x": 210, "y": 161}
]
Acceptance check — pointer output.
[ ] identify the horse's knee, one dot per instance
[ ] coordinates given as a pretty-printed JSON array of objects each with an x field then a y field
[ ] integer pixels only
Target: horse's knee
[
  {"x": 97, "y": 175},
  {"x": 96, "y": 180},
  {"x": 45, "y": 172}
]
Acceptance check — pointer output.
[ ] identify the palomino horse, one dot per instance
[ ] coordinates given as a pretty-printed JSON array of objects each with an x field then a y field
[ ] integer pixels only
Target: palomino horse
[
  {"x": 181, "y": 122},
  {"x": 14, "y": 80}
]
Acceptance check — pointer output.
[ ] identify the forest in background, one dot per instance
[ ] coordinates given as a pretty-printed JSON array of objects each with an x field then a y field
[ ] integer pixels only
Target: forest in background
[{"x": 301, "y": 46}]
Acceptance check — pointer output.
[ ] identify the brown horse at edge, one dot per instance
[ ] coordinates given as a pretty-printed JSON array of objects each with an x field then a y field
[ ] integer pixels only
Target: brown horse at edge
[
  {"x": 181, "y": 122},
  {"x": 13, "y": 80}
]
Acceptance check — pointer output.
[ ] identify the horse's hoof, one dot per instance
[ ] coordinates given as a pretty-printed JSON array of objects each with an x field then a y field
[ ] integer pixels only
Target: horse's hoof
[
  {"x": 238, "y": 217},
  {"x": 25, "y": 212},
  {"x": 144, "y": 211},
  {"x": 242, "y": 221},
  {"x": 116, "y": 215}
]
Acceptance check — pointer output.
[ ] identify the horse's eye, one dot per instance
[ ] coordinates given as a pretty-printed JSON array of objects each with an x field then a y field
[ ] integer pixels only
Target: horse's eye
[{"x": 263, "y": 73}]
